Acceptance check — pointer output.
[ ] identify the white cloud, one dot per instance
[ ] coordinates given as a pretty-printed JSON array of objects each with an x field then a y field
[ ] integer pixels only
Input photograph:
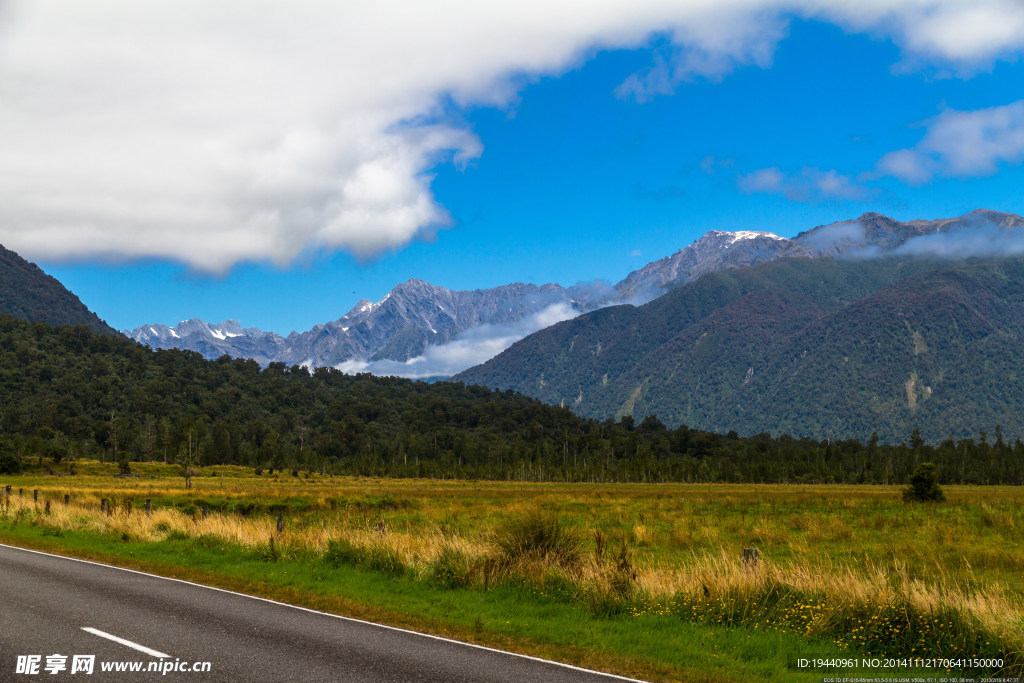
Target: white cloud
[
  {"x": 709, "y": 44},
  {"x": 907, "y": 165},
  {"x": 831, "y": 239},
  {"x": 964, "y": 31},
  {"x": 219, "y": 132},
  {"x": 811, "y": 184},
  {"x": 972, "y": 236},
  {"x": 961, "y": 144},
  {"x": 830, "y": 184},
  {"x": 979, "y": 239},
  {"x": 472, "y": 347},
  {"x": 765, "y": 180}
]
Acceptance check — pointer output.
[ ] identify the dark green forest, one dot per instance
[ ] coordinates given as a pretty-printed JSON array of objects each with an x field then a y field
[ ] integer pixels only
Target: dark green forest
[
  {"x": 29, "y": 293},
  {"x": 68, "y": 393},
  {"x": 825, "y": 348}
]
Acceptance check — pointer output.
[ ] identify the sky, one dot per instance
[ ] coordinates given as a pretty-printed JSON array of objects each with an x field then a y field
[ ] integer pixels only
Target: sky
[{"x": 277, "y": 162}]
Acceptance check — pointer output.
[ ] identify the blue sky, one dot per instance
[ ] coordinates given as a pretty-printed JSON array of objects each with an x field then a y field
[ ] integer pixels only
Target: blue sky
[{"x": 612, "y": 152}]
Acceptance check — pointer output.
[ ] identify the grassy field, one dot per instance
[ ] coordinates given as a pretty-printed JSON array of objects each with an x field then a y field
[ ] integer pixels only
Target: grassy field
[{"x": 645, "y": 580}]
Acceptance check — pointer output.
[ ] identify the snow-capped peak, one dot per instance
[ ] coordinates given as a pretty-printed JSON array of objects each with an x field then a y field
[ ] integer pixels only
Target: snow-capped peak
[
  {"x": 752, "y": 234},
  {"x": 740, "y": 235},
  {"x": 223, "y": 333}
]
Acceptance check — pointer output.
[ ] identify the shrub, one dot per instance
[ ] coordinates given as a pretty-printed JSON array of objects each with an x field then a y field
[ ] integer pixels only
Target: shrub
[
  {"x": 340, "y": 552},
  {"x": 376, "y": 556},
  {"x": 536, "y": 536},
  {"x": 245, "y": 508},
  {"x": 381, "y": 558},
  {"x": 9, "y": 463},
  {"x": 210, "y": 541},
  {"x": 624, "y": 575},
  {"x": 605, "y": 604},
  {"x": 268, "y": 552},
  {"x": 923, "y": 485},
  {"x": 451, "y": 569}
]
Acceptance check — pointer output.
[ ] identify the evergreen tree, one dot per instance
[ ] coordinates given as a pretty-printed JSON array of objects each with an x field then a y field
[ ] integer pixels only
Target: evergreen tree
[{"x": 923, "y": 485}]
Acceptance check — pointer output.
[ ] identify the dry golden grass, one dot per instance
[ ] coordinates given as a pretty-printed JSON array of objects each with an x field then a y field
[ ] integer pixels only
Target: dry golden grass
[{"x": 703, "y": 568}]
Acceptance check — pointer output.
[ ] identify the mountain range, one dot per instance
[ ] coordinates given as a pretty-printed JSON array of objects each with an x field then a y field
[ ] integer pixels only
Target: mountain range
[
  {"x": 411, "y": 317},
  {"x": 389, "y": 336},
  {"x": 880, "y": 332}
]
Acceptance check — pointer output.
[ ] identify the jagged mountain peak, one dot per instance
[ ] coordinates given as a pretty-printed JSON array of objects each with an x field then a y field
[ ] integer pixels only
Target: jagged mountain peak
[
  {"x": 873, "y": 216},
  {"x": 362, "y": 306},
  {"x": 714, "y": 250},
  {"x": 413, "y": 283}
]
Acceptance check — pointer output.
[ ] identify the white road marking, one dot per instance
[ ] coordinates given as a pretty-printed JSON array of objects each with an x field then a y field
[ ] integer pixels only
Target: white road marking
[
  {"x": 126, "y": 643},
  {"x": 334, "y": 616}
]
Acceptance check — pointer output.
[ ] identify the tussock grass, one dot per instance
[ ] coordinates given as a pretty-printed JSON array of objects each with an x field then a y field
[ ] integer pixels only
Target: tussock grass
[
  {"x": 453, "y": 568},
  {"x": 537, "y": 537}
]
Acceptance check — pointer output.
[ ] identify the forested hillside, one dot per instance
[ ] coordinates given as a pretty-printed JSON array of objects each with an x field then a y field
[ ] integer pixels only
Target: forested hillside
[
  {"x": 66, "y": 393},
  {"x": 819, "y": 348},
  {"x": 27, "y": 292}
]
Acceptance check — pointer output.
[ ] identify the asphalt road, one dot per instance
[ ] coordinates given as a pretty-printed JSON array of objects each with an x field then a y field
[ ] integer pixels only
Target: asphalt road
[{"x": 47, "y": 602}]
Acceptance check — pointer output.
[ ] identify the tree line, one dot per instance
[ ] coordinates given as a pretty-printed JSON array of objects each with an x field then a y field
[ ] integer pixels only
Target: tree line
[{"x": 67, "y": 393}]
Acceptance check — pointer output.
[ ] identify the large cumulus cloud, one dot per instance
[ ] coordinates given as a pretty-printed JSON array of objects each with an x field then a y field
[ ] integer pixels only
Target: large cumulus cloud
[{"x": 214, "y": 132}]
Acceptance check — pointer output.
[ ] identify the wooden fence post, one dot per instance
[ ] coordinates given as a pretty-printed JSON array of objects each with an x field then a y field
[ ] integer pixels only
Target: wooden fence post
[
  {"x": 750, "y": 557},
  {"x": 149, "y": 506},
  {"x": 103, "y": 504},
  {"x": 67, "y": 498},
  {"x": 35, "y": 495},
  {"x": 206, "y": 510},
  {"x": 280, "y": 522}
]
